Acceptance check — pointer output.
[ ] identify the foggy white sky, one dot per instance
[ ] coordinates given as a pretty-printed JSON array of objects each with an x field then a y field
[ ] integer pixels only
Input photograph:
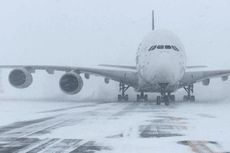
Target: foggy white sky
[{"x": 83, "y": 32}]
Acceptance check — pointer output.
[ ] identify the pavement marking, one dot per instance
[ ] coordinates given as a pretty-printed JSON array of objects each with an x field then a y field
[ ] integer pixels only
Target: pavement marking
[
  {"x": 203, "y": 146},
  {"x": 53, "y": 145},
  {"x": 33, "y": 148}
]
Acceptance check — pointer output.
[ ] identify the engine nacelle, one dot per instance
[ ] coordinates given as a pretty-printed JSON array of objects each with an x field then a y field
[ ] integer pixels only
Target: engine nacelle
[
  {"x": 20, "y": 78},
  {"x": 71, "y": 83},
  {"x": 87, "y": 76},
  {"x": 107, "y": 80},
  {"x": 206, "y": 82},
  {"x": 224, "y": 78}
]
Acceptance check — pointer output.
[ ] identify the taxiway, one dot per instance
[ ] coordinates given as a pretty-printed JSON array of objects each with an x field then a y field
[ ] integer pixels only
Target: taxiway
[{"x": 116, "y": 127}]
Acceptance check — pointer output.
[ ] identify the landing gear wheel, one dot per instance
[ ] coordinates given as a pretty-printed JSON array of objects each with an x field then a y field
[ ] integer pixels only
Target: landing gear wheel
[
  {"x": 119, "y": 98},
  {"x": 126, "y": 97},
  {"x": 172, "y": 98},
  {"x": 166, "y": 100},
  {"x": 158, "y": 100},
  {"x": 142, "y": 97},
  {"x": 123, "y": 98},
  {"x": 138, "y": 97},
  {"x": 146, "y": 98},
  {"x": 185, "y": 98},
  {"x": 192, "y": 99}
]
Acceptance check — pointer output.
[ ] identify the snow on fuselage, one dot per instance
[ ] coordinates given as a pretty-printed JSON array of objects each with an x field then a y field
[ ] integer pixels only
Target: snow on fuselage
[{"x": 160, "y": 62}]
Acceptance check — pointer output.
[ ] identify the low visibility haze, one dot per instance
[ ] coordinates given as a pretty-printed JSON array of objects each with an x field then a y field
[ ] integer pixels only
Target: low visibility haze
[{"x": 85, "y": 33}]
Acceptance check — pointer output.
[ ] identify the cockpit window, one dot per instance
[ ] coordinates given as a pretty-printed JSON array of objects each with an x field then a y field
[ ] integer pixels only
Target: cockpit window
[
  {"x": 152, "y": 48},
  {"x": 175, "y": 48},
  {"x": 168, "y": 47},
  {"x": 163, "y": 47},
  {"x": 160, "y": 47}
]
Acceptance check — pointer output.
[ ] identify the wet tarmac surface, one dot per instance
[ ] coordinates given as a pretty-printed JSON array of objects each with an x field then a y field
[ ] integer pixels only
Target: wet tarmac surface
[{"x": 103, "y": 127}]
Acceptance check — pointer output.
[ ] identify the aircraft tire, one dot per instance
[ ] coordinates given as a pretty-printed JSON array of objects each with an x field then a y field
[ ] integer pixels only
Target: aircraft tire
[
  {"x": 173, "y": 98},
  {"x": 185, "y": 98},
  {"x": 126, "y": 98},
  {"x": 119, "y": 98},
  {"x": 138, "y": 97},
  {"x": 166, "y": 100},
  {"x": 146, "y": 97},
  {"x": 192, "y": 99},
  {"x": 158, "y": 100}
]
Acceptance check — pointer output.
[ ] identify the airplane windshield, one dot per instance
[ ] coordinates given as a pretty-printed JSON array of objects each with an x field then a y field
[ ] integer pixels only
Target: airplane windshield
[
  {"x": 175, "y": 48},
  {"x": 152, "y": 48},
  {"x": 160, "y": 47},
  {"x": 163, "y": 47},
  {"x": 168, "y": 47}
]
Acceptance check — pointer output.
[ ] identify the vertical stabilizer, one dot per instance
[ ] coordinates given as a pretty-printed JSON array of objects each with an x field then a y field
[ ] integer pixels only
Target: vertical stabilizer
[{"x": 153, "y": 24}]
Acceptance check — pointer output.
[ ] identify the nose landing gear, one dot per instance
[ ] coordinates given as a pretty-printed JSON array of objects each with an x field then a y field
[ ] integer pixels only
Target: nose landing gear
[
  {"x": 165, "y": 97},
  {"x": 142, "y": 97}
]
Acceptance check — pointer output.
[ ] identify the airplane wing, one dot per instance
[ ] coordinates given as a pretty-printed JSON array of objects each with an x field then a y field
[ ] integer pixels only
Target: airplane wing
[
  {"x": 134, "y": 67},
  {"x": 119, "y": 66},
  {"x": 125, "y": 76},
  {"x": 192, "y": 77}
]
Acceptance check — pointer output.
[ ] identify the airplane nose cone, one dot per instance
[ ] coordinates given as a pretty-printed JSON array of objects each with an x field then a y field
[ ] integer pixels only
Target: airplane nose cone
[
  {"x": 167, "y": 69},
  {"x": 164, "y": 74},
  {"x": 164, "y": 69}
]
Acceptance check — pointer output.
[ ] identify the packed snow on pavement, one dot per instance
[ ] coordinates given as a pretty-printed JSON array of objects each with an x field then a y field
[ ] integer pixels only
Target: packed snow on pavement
[{"x": 67, "y": 126}]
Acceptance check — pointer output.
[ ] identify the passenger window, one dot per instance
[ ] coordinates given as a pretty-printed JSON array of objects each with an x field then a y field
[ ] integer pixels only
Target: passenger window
[
  {"x": 175, "y": 48},
  {"x": 160, "y": 47},
  {"x": 152, "y": 48},
  {"x": 168, "y": 47}
]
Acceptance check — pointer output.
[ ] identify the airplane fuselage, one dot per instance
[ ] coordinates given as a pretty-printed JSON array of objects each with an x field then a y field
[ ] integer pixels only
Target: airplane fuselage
[{"x": 160, "y": 62}]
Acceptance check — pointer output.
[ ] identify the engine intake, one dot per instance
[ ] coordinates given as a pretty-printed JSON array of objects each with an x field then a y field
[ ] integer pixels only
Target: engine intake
[
  {"x": 224, "y": 78},
  {"x": 71, "y": 83},
  {"x": 20, "y": 78},
  {"x": 206, "y": 82}
]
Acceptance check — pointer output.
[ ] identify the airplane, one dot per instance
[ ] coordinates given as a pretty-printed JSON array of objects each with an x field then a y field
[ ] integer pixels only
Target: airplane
[{"x": 160, "y": 68}]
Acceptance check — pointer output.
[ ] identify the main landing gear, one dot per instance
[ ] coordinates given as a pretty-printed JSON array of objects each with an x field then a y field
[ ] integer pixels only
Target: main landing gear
[
  {"x": 124, "y": 97},
  {"x": 189, "y": 96},
  {"x": 123, "y": 88}
]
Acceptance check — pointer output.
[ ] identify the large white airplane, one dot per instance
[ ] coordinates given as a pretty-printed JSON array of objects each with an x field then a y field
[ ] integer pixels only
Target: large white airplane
[{"x": 160, "y": 68}]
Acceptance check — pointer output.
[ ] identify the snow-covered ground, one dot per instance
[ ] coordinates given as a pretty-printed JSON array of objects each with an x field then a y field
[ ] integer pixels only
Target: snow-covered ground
[{"x": 113, "y": 127}]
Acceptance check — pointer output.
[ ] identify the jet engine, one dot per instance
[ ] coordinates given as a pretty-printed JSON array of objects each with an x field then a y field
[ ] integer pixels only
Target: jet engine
[
  {"x": 106, "y": 80},
  {"x": 206, "y": 82},
  {"x": 20, "y": 78},
  {"x": 71, "y": 83},
  {"x": 224, "y": 78}
]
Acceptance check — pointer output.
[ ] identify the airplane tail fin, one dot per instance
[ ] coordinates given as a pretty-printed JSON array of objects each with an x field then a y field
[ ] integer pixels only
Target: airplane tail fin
[{"x": 153, "y": 22}]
